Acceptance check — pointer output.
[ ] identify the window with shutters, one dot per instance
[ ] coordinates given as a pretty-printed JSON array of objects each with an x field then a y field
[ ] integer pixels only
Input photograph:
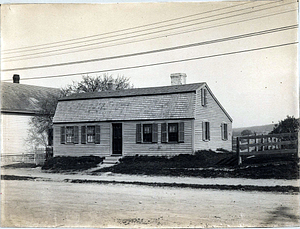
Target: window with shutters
[
  {"x": 203, "y": 96},
  {"x": 224, "y": 131},
  {"x": 90, "y": 134},
  {"x": 147, "y": 133},
  {"x": 206, "y": 131},
  {"x": 70, "y": 134}
]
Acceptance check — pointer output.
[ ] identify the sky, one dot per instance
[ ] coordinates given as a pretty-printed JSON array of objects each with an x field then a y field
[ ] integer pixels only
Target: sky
[{"x": 254, "y": 76}]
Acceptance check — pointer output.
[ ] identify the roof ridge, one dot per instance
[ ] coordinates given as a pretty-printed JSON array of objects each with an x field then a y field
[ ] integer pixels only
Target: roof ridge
[
  {"x": 28, "y": 85},
  {"x": 170, "y": 89}
]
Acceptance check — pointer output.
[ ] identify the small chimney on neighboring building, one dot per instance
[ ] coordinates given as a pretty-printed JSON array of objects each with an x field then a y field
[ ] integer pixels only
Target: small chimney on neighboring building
[
  {"x": 178, "y": 78},
  {"x": 16, "y": 78}
]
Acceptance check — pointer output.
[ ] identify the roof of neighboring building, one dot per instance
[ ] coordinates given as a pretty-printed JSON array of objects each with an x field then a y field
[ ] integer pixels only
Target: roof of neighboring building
[
  {"x": 22, "y": 98},
  {"x": 136, "y": 92}
]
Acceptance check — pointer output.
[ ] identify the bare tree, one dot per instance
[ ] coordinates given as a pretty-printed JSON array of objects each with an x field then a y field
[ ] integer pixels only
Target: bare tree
[
  {"x": 41, "y": 124},
  {"x": 97, "y": 84}
]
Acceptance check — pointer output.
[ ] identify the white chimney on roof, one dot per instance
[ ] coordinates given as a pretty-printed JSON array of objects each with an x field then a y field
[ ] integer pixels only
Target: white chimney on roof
[{"x": 178, "y": 78}]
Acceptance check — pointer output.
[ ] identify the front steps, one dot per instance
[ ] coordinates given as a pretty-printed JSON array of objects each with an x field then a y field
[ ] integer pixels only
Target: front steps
[
  {"x": 111, "y": 160},
  {"x": 107, "y": 162}
]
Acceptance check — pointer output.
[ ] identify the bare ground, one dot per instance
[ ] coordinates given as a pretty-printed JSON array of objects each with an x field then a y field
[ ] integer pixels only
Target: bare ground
[{"x": 60, "y": 204}]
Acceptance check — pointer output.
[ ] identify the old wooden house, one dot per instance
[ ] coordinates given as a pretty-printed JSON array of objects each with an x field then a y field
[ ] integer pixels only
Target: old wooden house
[
  {"x": 170, "y": 120},
  {"x": 18, "y": 106}
]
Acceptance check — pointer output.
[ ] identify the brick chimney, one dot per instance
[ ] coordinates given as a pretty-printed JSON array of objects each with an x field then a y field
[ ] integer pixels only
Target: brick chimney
[
  {"x": 16, "y": 78},
  {"x": 178, "y": 78},
  {"x": 111, "y": 86}
]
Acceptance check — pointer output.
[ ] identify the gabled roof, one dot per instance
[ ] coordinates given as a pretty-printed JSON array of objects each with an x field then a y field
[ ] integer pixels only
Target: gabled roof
[
  {"x": 22, "y": 98},
  {"x": 136, "y": 92}
]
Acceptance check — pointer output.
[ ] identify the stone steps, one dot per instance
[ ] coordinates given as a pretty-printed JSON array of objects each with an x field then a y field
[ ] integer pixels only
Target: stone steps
[{"x": 111, "y": 160}]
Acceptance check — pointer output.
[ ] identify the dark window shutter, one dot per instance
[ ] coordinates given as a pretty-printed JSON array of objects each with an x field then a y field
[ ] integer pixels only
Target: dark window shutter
[
  {"x": 222, "y": 131},
  {"x": 154, "y": 132},
  {"x": 97, "y": 134},
  {"x": 205, "y": 97},
  {"x": 83, "y": 135},
  {"x": 138, "y": 133},
  {"x": 208, "y": 131},
  {"x": 203, "y": 131},
  {"x": 62, "y": 135},
  {"x": 164, "y": 133},
  {"x": 181, "y": 132},
  {"x": 76, "y": 135}
]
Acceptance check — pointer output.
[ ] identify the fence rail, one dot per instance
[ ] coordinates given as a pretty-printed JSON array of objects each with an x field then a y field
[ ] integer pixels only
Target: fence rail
[
  {"x": 286, "y": 143},
  {"x": 38, "y": 157}
]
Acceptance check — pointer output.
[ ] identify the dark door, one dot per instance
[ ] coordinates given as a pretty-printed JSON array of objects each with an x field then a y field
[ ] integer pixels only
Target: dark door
[{"x": 117, "y": 139}]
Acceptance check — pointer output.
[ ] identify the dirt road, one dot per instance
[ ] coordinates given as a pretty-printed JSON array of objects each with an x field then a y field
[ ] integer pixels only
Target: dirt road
[{"x": 59, "y": 204}]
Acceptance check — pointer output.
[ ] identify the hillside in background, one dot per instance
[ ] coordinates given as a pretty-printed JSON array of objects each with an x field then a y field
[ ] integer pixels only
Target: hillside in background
[{"x": 264, "y": 129}]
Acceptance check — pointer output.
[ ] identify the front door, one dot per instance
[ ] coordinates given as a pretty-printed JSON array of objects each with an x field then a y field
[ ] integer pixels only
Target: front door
[{"x": 117, "y": 139}]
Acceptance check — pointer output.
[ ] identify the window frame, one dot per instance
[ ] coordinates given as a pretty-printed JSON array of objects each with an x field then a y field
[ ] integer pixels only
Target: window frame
[
  {"x": 92, "y": 135},
  {"x": 224, "y": 133},
  {"x": 147, "y": 137},
  {"x": 206, "y": 131},
  {"x": 70, "y": 137},
  {"x": 173, "y": 136}
]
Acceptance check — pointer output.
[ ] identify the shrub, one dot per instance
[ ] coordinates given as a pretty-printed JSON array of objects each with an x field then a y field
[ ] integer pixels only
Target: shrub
[{"x": 71, "y": 163}]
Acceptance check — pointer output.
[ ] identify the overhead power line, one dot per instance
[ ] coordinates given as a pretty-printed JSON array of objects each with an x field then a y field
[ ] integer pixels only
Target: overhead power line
[
  {"x": 145, "y": 34},
  {"x": 181, "y": 32},
  {"x": 161, "y": 63},
  {"x": 263, "y": 32},
  {"x": 117, "y": 31}
]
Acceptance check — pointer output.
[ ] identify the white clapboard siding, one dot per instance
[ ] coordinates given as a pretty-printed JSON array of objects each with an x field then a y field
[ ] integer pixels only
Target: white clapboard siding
[
  {"x": 130, "y": 147},
  {"x": 213, "y": 114},
  {"x": 14, "y": 132}
]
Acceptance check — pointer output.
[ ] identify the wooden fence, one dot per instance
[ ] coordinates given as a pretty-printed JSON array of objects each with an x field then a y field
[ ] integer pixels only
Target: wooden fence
[
  {"x": 253, "y": 145},
  {"x": 38, "y": 157}
]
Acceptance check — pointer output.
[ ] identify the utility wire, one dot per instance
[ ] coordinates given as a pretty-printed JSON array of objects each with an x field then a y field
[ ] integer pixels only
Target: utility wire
[
  {"x": 164, "y": 30},
  {"x": 117, "y": 31},
  {"x": 198, "y": 29},
  {"x": 263, "y": 32},
  {"x": 161, "y": 63}
]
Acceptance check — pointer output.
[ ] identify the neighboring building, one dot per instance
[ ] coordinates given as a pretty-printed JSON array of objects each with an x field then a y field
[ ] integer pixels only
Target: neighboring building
[
  {"x": 171, "y": 120},
  {"x": 18, "y": 105}
]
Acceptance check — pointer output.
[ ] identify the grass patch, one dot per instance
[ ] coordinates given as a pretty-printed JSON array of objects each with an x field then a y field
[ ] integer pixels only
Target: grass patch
[
  {"x": 206, "y": 164},
  {"x": 63, "y": 164}
]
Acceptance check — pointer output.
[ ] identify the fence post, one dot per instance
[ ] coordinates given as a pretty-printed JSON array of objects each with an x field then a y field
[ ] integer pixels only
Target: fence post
[{"x": 238, "y": 151}]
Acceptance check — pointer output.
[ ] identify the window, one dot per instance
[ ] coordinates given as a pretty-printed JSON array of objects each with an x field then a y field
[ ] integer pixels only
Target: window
[
  {"x": 203, "y": 96},
  {"x": 147, "y": 133},
  {"x": 172, "y": 132},
  {"x": 206, "y": 131},
  {"x": 90, "y": 134},
  {"x": 224, "y": 131},
  {"x": 69, "y": 134}
]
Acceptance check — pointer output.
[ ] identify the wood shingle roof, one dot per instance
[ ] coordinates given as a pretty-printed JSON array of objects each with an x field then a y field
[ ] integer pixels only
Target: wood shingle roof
[
  {"x": 22, "y": 98},
  {"x": 170, "y": 102},
  {"x": 136, "y": 92}
]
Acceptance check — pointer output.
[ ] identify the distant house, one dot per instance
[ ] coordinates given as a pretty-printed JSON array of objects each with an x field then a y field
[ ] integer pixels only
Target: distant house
[
  {"x": 169, "y": 120},
  {"x": 18, "y": 105}
]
